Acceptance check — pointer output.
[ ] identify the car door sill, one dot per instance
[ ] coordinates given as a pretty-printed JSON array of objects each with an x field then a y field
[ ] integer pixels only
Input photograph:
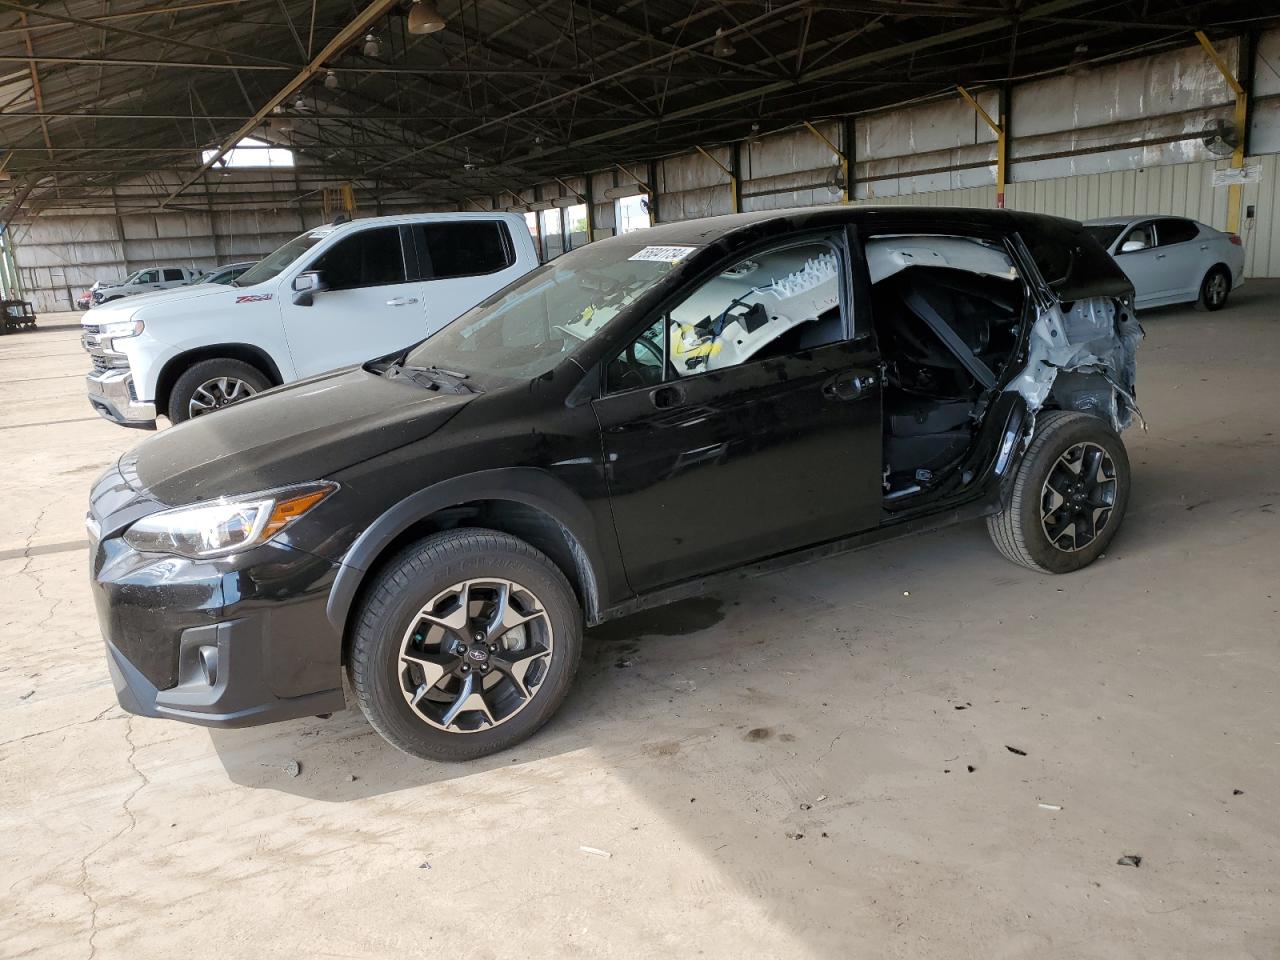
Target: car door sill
[{"x": 697, "y": 586}]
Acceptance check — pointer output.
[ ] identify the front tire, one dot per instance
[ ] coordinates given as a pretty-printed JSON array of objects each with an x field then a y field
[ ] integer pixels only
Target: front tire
[
  {"x": 1068, "y": 497},
  {"x": 1214, "y": 289},
  {"x": 213, "y": 384},
  {"x": 465, "y": 644}
]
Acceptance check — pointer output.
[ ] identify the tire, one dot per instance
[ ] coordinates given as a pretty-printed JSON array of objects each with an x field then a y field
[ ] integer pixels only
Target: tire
[
  {"x": 1214, "y": 289},
  {"x": 244, "y": 378},
  {"x": 391, "y": 623},
  {"x": 1022, "y": 529}
]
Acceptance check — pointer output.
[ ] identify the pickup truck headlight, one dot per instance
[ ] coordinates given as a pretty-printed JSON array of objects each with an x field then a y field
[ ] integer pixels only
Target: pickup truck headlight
[
  {"x": 109, "y": 333},
  {"x": 223, "y": 527}
]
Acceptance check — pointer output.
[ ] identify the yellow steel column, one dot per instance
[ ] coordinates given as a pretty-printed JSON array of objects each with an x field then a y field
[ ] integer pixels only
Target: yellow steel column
[
  {"x": 733, "y": 181},
  {"x": 844, "y": 160},
  {"x": 1235, "y": 192},
  {"x": 1001, "y": 151}
]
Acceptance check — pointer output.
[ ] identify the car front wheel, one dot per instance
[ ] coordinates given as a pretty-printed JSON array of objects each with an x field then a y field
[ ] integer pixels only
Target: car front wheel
[
  {"x": 213, "y": 384},
  {"x": 465, "y": 644},
  {"x": 1066, "y": 501}
]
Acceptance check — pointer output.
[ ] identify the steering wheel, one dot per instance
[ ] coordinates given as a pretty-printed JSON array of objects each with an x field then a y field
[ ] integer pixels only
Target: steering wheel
[{"x": 629, "y": 367}]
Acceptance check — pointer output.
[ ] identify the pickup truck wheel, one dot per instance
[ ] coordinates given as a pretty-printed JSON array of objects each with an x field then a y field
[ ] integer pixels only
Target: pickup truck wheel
[
  {"x": 1068, "y": 497},
  {"x": 211, "y": 385},
  {"x": 1214, "y": 289},
  {"x": 465, "y": 644}
]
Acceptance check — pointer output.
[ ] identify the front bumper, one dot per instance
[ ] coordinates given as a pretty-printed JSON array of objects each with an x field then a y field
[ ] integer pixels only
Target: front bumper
[
  {"x": 111, "y": 393},
  {"x": 228, "y": 642}
]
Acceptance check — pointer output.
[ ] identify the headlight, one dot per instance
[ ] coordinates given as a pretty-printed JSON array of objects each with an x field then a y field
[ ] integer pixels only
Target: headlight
[
  {"x": 120, "y": 330},
  {"x": 222, "y": 527}
]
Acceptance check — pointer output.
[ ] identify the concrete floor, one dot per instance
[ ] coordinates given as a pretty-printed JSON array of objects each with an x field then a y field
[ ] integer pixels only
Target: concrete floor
[{"x": 813, "y": 764}]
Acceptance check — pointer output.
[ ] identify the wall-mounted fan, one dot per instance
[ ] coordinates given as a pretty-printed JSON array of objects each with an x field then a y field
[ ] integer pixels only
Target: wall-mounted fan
[{"x": 1221, "y": 138}]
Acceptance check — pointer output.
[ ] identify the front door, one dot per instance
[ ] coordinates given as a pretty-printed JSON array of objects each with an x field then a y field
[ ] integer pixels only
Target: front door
[
  {"x": 1152, "y": 271},
  {"x": 369, "y": 308},
  {"x": 743, "y": 422}
]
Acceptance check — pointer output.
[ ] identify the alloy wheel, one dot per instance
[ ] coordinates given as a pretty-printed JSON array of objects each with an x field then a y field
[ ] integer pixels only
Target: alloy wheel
[
  {"x": 1078, "y": 496},
  {"x": 1216, "y": 293},
  {"x": 475, "y": 655},
  {"x": 218, "y": 393}
]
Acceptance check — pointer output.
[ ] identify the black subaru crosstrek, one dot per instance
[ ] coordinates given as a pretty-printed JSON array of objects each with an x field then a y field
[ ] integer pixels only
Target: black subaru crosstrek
[{"x": 614, "y": 431}]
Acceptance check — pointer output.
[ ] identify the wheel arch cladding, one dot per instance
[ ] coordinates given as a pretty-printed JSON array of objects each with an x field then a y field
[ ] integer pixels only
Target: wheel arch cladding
[
  {"x": 176, "y": 366},
  {"x": 522, "y": 501}
]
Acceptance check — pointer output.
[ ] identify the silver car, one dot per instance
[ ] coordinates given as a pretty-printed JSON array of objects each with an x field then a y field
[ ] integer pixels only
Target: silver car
[{"x": 1173, "y": 259}]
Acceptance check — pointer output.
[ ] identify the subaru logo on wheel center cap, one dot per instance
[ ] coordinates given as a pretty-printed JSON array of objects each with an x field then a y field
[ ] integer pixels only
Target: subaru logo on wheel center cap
[{"x": 478, "y": 653}]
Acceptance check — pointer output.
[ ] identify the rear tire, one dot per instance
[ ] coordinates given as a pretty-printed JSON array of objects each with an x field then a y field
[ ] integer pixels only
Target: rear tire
[
  {"x": 212, "y": 384},
  {"x": 1214, "y": 289},
  {"x": 1066, "y": 502},
  {"x": 432, "y": 634}
]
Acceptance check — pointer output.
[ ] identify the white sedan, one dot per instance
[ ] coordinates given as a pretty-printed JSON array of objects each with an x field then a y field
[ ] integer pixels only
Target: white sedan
[{"x": 1173, "y": 259}]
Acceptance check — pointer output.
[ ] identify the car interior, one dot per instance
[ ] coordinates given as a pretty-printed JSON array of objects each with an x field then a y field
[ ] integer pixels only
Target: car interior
[{"x": 948, "y": 313}]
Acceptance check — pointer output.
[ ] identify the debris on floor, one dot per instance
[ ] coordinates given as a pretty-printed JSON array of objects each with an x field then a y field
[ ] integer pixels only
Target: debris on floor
[
  {"x": 1050, "y": 806},
  {"x": 26, "y": 695},
  {"x": 1016, "y": 750},
  {"x": 971, "y": 768},
  {"x": 1237, "y": 792},
  {"x": 596, "y": 852},
  {"x": 1130, "y": 860},
  {"x": 792, "y": 835},
  {"x": 293, "y": 768}
]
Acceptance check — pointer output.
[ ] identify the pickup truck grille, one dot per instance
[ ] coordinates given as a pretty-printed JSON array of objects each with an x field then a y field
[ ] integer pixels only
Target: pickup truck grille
[
  {"x": 89, "y": 328},
  {"x": 101, "y": 363}
]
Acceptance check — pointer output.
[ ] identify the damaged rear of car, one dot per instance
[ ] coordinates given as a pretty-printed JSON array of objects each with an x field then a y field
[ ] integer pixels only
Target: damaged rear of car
[{"x": 997, "y": 348}]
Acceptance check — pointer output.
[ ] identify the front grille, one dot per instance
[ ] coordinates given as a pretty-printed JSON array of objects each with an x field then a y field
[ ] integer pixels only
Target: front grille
[{"x": 102, "y": 364}]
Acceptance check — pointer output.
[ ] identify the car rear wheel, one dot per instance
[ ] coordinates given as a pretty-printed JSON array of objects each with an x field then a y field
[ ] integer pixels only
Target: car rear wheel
[
  {"x": 465, "y": 644},
  {"x": 1068, "y": 497},
  {"x": 1214, "y": 289},
  {"x": 213, "y": 384}
]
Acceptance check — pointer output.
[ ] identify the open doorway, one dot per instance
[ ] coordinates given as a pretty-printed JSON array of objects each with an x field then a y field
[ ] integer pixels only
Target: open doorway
[{"x": 949, "y": 314}]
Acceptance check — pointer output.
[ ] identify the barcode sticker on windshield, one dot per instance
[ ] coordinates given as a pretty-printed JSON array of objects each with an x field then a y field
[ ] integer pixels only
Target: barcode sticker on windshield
[{"x": 663, "y": 254}]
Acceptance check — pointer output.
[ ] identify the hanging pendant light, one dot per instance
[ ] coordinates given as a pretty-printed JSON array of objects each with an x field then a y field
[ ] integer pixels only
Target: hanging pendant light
[
  {"x": 331, "y": 81},
  {"x": 424, "y": 17},
  {"x": 723, "y": 47},
  {"x": 372, "y": 46}
]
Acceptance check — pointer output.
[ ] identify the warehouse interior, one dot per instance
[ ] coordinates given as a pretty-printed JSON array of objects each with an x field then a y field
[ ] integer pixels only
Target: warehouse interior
[{"x": 913, "y": 750}]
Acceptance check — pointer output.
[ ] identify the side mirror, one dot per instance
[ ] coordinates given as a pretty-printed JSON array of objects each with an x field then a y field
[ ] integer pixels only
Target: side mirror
[
  {"x": 1132, "y": 246},
  {"x": 306, "y": 286}
]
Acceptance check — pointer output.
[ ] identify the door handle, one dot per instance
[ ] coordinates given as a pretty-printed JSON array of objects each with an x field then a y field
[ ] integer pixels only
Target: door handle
[
  {"x": 848, "y": 385},
  {"x": 666, "y": 397},
  {"x": 401, "y": 301}
]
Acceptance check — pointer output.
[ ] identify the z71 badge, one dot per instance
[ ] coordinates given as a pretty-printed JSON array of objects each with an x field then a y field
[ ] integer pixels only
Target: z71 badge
[{"x": 254, "y": 297}]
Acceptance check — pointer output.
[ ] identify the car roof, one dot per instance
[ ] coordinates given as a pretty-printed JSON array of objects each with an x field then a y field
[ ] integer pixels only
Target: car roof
[
  {"x": 706, "y": 230},
  {"x": 406, "y": 218},
  {"x": 1121, "y": 221}
]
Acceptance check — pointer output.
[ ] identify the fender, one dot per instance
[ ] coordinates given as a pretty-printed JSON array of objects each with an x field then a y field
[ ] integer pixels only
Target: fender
[{"x": 526, "y": 485}]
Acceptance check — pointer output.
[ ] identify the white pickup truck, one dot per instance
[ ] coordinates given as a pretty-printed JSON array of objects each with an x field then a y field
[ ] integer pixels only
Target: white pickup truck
[
  {"x": 333, "y": 296},
  {"x": 148, "y": 280}
]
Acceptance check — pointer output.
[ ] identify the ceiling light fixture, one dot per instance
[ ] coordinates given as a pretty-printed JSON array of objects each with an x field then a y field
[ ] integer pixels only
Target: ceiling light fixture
[
  {"x": 424, "y": 17},
  {"x": 372, "y": 46},
  {"x": 331, "y": 81},
  {"x": 300, "y": 103},
  {"x": 723, "y": 47}
]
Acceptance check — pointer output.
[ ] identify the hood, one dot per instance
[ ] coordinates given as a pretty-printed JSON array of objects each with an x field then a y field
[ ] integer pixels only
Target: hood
[
  {"x": 123, "y": 309},
  {"x": 305, "y": 431}
]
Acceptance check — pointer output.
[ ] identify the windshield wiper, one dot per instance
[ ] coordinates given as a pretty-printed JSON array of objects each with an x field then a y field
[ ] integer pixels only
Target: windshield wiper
[{"x": 432, "y": 378}]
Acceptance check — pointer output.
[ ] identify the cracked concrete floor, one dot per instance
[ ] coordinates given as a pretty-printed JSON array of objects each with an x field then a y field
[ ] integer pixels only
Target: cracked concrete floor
[{"x": 812, "y": 764}]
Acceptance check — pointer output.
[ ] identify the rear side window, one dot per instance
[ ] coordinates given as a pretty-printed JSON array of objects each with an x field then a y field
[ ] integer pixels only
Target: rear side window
[
  {"x": 370, "y": 258},
  {"x": 463, "y": 248},
  {"x": 1175, "y": 231},
  {"x": 170, "y": 274},
  {"x": 149, "y": 276},
  {"x": 1052, "y": 255}
]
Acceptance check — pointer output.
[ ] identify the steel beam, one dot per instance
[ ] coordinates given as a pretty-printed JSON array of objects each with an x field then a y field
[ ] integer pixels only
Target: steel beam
[{"x": 1235, "y": 192}]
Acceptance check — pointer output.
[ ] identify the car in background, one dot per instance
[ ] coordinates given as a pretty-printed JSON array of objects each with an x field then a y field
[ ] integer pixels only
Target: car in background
[
  {"x": 1173, "y": 259},
  {"x": 224, "y": 274},
  {"x": 334, "y": 296},
  {"x": 148, "y": 280},
  {"x": 608, "y": 433}
]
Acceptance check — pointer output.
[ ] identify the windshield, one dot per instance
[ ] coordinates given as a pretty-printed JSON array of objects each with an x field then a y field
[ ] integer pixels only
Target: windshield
[
  {"x": 1104, "y": 233},
  {"x": 523, "y": 331},
  {"x": 271, "y": 265}
]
